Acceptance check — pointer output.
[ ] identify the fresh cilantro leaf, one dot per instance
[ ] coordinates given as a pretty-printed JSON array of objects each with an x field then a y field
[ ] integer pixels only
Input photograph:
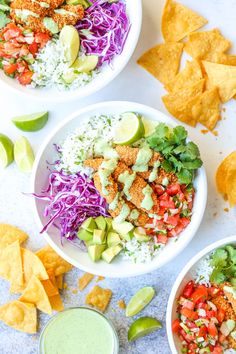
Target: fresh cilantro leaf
[
  {"x": 167, "y": 166},
  {"x": 4, "y": 6},
  {"x": 177, "y": 164},
  {"x": 179, "y": 134},
  {"x": 4, "y": 20},
  {"x": 192, "y": 165},
  {"x": 162, "y": 130},
  {"x": 217, "y": 276},
  {"x": 232, "y": 253},
  {"x": 219, "y": 258},
  {"x": 185, "y": 176},
  {"x": 190, "y": 153},
  {"x": 167, "y": 150}
]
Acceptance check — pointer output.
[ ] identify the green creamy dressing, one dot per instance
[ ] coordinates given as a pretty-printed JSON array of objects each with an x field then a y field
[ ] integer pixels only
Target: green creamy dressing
[
  {"x": 42, "y": 3},
  {"x": 153, "y": 174},
  {"x": 127, "y": 179},
  {"x": 125, "y": 210},
  {"x": 64, "y": 12},
  {"x": 142, "y": 160},
  {"x": 51, "y": 25},
  {"x": 106, "y": 168},
  {"x": 147, "y": 202},
  {"x": 104, "y": 149},
  {"x": 114, "y": 203},
  {"x": 231, "y": 291},
  {"x": 24, "y": 14},
  {"x": 134, "y": 214},
  {"x": 76, "y": 331}
]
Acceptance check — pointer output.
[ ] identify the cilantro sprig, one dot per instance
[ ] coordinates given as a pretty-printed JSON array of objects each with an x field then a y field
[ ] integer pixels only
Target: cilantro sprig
[
  {"x": 223, "y": 261},
  {"x": 181, "y": 157},
  {"x": 4, "y": 13}
]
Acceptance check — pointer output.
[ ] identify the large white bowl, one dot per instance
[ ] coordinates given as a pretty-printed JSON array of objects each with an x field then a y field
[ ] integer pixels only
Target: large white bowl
[
  {"x": 108, "y": 73},
  {"x": 183, "y": 278},
  {"x": 120, "y": 267}
]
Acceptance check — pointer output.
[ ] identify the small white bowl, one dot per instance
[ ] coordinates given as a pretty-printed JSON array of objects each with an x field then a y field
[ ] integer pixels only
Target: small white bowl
[
  {"x": 120, "y": 267},
  {"x": 183, "y": 278},
  {"x": 108, "y": 73}
]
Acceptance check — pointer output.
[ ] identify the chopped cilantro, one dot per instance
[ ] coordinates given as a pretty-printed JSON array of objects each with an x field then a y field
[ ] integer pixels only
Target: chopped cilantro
[
  {"x": 4, "y": 19},
  {"x": 223, "y": 261}
]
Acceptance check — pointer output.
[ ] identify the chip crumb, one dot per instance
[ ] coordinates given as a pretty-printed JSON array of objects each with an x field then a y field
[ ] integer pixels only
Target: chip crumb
[
  {"x": 99, "y": 278},
  {"x": 99, "y": 298},
  {"x": 215, "y": 132},
  {"x": 121, "y": 303},
  {"x": 204, "y": 131},
  {"x": 215, "y": 213},
  {"x": 74, "y": 291},
  {"x": 224, "y": 109},
  {"x": 65, "y": 286},
  {"x": 226, "y": 210},
  {"x": 85, "y": 280}
]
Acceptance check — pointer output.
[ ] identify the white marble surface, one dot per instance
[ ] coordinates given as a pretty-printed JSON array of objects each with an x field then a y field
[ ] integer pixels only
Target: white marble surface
[{"x": 132, "y": 84}]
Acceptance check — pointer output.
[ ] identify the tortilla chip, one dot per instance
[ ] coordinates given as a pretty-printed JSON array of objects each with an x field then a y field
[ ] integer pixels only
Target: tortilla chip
[
  {"x": 162, "y": 61},
  {"x": 35, "y": 294},
  {"x": 100, "y": 278},
  {"x": 229, "y": 163},
  {"x": 85, "y": 280},
  {"x": 52, "y": 277},
  {"x": 52, "y": 260},
  {"x": 32, "y": 265},
  {"x": 99, "y": 298},
  {"x": 223, "y": 77},
  {"x": 180, "y": 104},
  {"x": 19, "y": 315},
  {"x": 231, "y": 187},
  {"x": 206, "y": 45},
  {"x": 11, "y": 265},
  {"x": 50, "y": 289},
  {"x": 178, "y": 21},
  {"x": 10, "y": 234},
  {"x": 56, "y": 303},
  {"x": 187, "y": 77},
  {"x": 59, "y": 281},
  {"x": 226, "y": 59}
]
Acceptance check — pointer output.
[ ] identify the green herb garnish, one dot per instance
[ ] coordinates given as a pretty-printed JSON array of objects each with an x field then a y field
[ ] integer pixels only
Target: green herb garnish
[{"x": 223, "y": 261}]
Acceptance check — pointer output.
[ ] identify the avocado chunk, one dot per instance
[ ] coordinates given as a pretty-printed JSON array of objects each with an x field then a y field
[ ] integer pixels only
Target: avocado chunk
[
  {"x": 101, "y": 222},
  {"x": 99, "y": 237},
  {"x": 89, "y": 243},
  {"x": 140, "y": 234},
  {"x": 110, "y": 253},
  {"x": 109, "y": 223},
  {"x": 113, "y": 239},
  {"x": 123, "y": 228},
  {"x": 89, "y": 225},
  {"x": 95, "y": 252},
  {"x": 84, "y": 3},
  {"x": 84, "y": 235},
  {"x": 128, "y": 236}
]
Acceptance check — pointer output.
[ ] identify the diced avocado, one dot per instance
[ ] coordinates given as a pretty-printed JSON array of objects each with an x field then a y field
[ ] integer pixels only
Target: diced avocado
[
  {"x": 89, "y": 243},
  {"x": 109, "y": 223},
  {"x": 84, "y": 235},
  {"x": 101, "y": 222},
  {"x": 123, "y": 228},
  {"x": 113, "y": 239},
  {"x": 110, "y": 253},
  {"x": 99, "y": 237},
  {"x": 89, "y": 224},
  {"x": 95, "y": 251},
  {"x": 128, "y": 236},
  {"x": 84, "y": 3},
  {"x": 140, "y": 234}
]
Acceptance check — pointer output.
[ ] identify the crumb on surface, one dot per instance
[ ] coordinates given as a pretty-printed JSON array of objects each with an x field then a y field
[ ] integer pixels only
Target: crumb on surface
[
  {"x": 215, "y": 132},
  {"x": 99, "y": 298},
  {"x": 65, "y": 286},
  {"x": 121, "y": 303},
  {"x": 226, "y": 210},
  {"x": 204, "y": 131},
  {"x": 74, "y": 291},
  {"x": 99, "y": 278},
  {"x": 85, "y": 280}
]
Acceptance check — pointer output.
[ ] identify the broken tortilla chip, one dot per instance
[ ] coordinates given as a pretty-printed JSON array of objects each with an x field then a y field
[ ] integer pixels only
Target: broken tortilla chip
[
  {"x": 32, "y": 265},
  {"x": 228, "y": 164},
  {"x": 59, "y": 281},
  {"x": 85, "y": 280},
  {"x": 35, "y": 294},
  {"x": 206, "y": 45},
  {"x": 223, "y": 77},
  {"x": 99, "y": 298},
  {"x": 226, "y": 59},
  {"x": 178, "y": 21},
  {"x": 52, "y": 260},
  {"x": 52, "y": 277},
  {"x": 10, "y": 234},
  {"x": 231, "y": 187},
  {"x": 50, "y": 289},
  {"x": 19, "y": 315},
  {"x": 56, "y": 303},
  {"x": 162, "y": 61}
]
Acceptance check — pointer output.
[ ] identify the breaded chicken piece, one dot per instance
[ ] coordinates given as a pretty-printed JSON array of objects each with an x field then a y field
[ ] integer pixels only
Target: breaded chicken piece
[
  {"x": 128, "y": 155},
  {"x": 230, "y": 297},
  {"x": 163, "y": 174},
  {"x": 31, "y": 6},
  {"x": 72, "y": 15},
  {"x": 94, "y": 163}
]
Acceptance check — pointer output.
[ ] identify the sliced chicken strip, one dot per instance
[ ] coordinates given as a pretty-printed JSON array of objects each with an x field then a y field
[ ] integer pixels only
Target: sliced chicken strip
[{"x": 128, "y": 155}]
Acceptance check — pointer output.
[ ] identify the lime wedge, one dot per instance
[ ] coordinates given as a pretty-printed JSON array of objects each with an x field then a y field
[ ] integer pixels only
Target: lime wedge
[
  {"x": 139, "y": 301},
  {"x": 31, "y": 122},
  {"x": 86, "y": 63},
  {"x": 6, "y": 151},
  {"x": 149, "y": 126},
  {"x": 23, "y": 154},
  {"x": 142, "y": 327},
  {"x": 129, "y": 129},
  {"x": 69, "y": 38}
]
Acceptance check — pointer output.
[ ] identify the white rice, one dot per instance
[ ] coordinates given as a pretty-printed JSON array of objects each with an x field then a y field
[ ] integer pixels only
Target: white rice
[
  {"x": 141, "y": 252},
  {"x": 230, "y": 351},
  {"x": 202, "y": 274}
]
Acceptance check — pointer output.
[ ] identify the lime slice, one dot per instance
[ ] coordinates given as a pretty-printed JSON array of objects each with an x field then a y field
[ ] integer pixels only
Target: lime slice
[
  {"x": 149, "y": 126},
  {"x": 69, "y": 77},
  {"x": 31, "y": 122},
  {"x": 69, "y": 38},
  {"x": 86, "y": 63},
  {"x": 23, "y": 154},
  {"x": 129, "y": 129},
  {"x": 6, "y": 151},
  {"x": 142, "y": 327},
  {"x": 139, "y": 301}
]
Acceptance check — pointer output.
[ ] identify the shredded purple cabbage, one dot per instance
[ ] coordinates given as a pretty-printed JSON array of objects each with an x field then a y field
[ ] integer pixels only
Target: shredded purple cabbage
[
  {"x": 104, "y": 29},
  {"x": 71, "y": 200}
]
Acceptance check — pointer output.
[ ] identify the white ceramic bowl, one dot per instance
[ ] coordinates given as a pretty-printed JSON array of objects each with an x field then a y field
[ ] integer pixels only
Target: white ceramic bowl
[
  {"x": 108, "y": 73},
  {"x": 183, "y": 278},
  {"x": 119, "y": 267}
]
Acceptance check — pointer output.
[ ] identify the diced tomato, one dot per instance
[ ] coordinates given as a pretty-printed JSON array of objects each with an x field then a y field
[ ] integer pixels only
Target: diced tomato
[
  {"x": 25, "y": 78},
  {"x": 176, "y": 231},
  {"x": 151, "y": 232},
  {"x": 24, "y": 50},
  {"x": 184, "y": 222},
  {"x": 173, "y": 219},
  {"x": 159, "y": 189},
  {"x": 188, "y": 304},
  {"x": 173, "y": 189},
  {"x": 202, "y": 331},
  {"x": 189, "y": 337},
  {"x": 210, "y": 314},
  {"x": 191, "y": 315},
  {"x": 42, "y": 39},
  {"x": 212, "y": 330},
  {"x": 217, "y": 350},
  {"x": 33, "y": 48},
  {"x": 202, "y": 305},
  {"x": 176, "y": 325},
  {"x": 200, "y": 294},
  {"x": 213, "y": 291},
  {"x": 181, "y": 196},
  {"x": 162, "y": 238},
  {"x": 166, "y": 201},
  {"x": 12, "y": 32},
  {"x": 221, "y": 315},
  {"x": 192, "y": 346},
  {"x": 10, "y": 68},
  {"x": 190, "y": 324},
  {"x": 221, "y": 338},
  {"x": 188, "y": 290}
]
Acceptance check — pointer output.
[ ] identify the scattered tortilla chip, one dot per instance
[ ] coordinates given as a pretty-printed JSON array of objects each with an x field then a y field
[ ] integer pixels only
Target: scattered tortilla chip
[
  {"x": 59, "y": 281},
  {"x": 162, "y": 61},
  {"x": 121, "y": 303},
  {"x": 56, "y": 303},
  {"x": 228, "y": 164},
  {"x": 188, "y": 76},
  {"x": 19, "y": 315},
  {"x": 178, "y": 21},
  {"x": 52, "y": 277},
  {"x": 223, "y": 77},
  {"x": 99, "y": 298},
  {"x": 99, "y": 278},
  {"x": 231, "y": 187},
  {"x": 226, "y": 59},
  {"x": 35, "y": 294},
  {"x": 50, "y": 289},
  {"x": 10, "y": 234},
  {"x": 52, "y": 260},
  {"x": 85, "y": 280},
  {"x": 32, "y": 265},
  {"x": 206, "y": 45},
  {"x": 11, "y": 266}
]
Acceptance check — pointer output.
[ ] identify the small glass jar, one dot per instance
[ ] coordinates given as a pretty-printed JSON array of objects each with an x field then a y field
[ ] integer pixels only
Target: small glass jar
[{"x": 65, "y": 336}]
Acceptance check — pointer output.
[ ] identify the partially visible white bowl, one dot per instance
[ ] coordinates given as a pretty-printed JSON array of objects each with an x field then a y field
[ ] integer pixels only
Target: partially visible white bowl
[
  {"x": 183, "y": 278},
  {"x": 108, "y": 73},
  {"x": 120, "y": 267}
]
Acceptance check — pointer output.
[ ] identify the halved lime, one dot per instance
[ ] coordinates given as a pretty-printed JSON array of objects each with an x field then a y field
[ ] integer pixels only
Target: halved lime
[
  {"x": 23, "y": 154},
  {"x": 69, "y": 38},
  {"x": 129, "y": 129},
  {"x": 31, "y": 122},
  {"x": 6, "y": 151},
  {"x": 149, "y": 126},
  {"x": 142, "y": 327},
  {"x": 139, "y": 301},
  {"x": 86, "y": 63}
]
